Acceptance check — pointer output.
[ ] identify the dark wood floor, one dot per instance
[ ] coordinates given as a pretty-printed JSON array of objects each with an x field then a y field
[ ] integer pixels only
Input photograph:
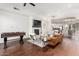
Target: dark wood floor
[{"x": 67, "y": 48}]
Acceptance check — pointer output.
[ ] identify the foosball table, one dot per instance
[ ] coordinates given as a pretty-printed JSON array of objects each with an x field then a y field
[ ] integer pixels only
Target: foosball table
[{"x": 12, "y": 34}]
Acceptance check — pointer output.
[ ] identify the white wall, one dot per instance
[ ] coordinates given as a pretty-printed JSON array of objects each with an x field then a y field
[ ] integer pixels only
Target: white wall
[{"x": 13, "y": 23}]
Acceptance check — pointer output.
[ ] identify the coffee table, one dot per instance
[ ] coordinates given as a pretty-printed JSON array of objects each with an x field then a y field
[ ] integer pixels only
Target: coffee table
[{"x": 40, "y": 41}]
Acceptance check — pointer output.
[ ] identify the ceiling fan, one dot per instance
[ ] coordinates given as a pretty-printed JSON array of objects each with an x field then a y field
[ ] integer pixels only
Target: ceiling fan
[
  {"x": 29, "y": 3},
  {"x": 24, "y": 6}
]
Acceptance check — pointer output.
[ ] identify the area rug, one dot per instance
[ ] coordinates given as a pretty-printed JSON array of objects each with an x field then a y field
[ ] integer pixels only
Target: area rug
[{"x": 38, "y": 42}]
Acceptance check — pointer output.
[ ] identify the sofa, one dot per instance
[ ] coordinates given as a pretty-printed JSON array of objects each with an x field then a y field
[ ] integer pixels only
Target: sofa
[{"x": 55, "y": 38}]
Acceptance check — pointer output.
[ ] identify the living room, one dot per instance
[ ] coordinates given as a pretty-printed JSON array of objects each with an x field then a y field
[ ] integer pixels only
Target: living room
[{"x": 44, "y": 29}]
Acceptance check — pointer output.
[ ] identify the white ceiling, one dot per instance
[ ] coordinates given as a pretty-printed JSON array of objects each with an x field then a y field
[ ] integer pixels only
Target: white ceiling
[{"x": 44, "y": 9}]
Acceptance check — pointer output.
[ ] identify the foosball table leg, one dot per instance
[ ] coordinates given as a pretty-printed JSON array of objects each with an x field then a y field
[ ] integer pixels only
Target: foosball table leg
[
  {"x": 21, "y": 40},
  {"x": 5, "y": 42}
]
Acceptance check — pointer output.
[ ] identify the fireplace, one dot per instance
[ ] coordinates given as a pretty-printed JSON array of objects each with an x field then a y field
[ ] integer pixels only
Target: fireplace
[{"x": 36, "y": 31}]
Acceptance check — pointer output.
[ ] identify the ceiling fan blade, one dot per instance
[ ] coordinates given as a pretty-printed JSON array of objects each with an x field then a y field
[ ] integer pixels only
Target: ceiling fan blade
[
  {"x": 24, "y": 4},
  {"x": 16, "y": 8},
  {"x": 32, "y": 4}
]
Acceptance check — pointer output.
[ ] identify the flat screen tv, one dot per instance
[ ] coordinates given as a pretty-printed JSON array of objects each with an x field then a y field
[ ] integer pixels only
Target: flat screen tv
[{"x": 36, "y": 23}]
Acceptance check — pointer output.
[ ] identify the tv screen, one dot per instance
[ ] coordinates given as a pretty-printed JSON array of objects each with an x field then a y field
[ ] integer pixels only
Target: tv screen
[{"x": 36, "y": 23}]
